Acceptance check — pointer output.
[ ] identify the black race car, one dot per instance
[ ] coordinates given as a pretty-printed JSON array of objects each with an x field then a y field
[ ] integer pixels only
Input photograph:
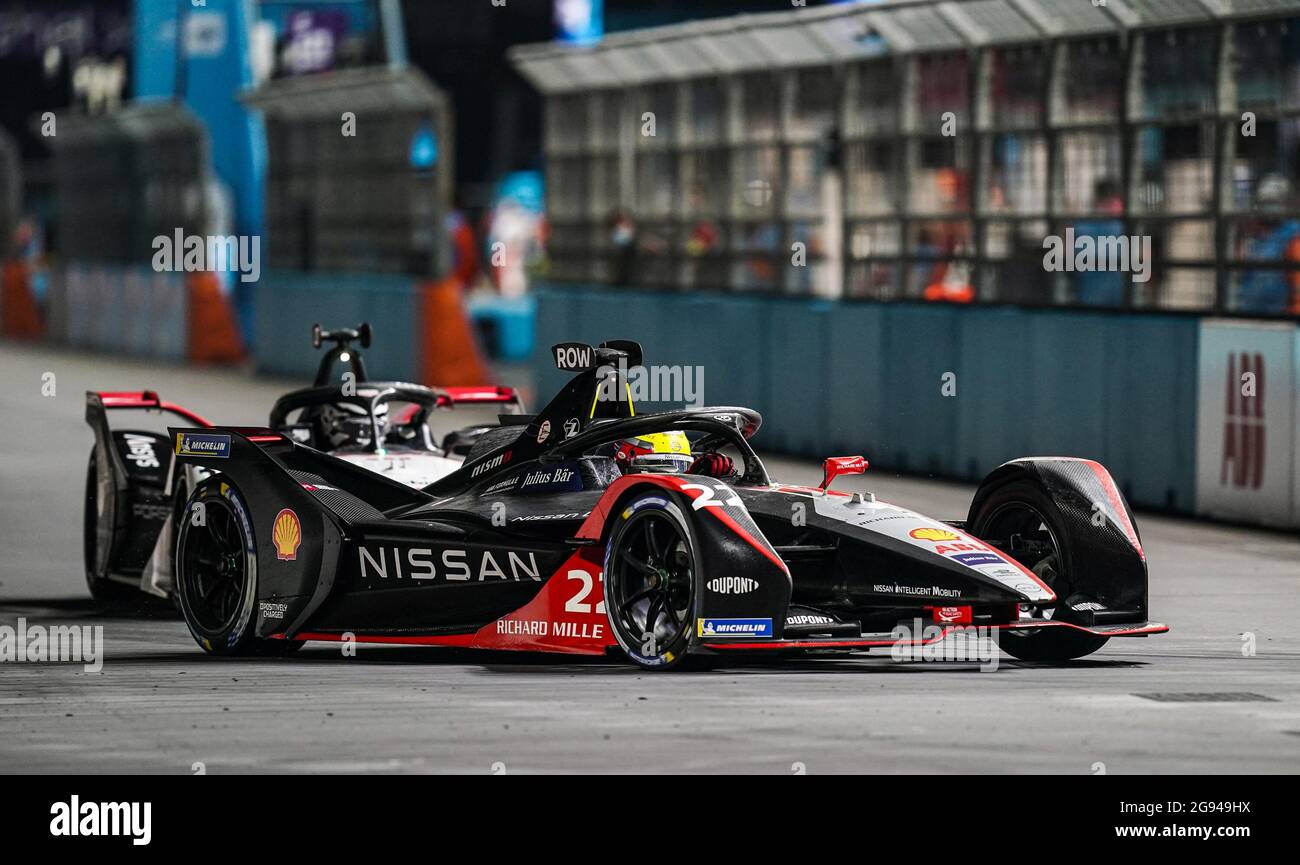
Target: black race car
[
  {"x": 589, "y": 528},
  {"x": 133, "y": 490}
]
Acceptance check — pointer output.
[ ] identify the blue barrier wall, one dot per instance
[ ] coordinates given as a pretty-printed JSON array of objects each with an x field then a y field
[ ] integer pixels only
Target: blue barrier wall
[
  {"x": 217, "y": 64},
  {"x": 843, "y": 378},
  {"x": 504, "y": 325},
  {"x": 119, "y": 308},
  {"x": 286, "y": 305}
]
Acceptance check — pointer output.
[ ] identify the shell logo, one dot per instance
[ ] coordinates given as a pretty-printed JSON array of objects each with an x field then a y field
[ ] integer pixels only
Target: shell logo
[
  {"x": 929, "y": 534},
  {"x": 286, "y": 533}
]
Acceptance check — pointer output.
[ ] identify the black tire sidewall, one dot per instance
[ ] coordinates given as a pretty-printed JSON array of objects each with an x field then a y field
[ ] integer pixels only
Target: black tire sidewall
[
  {"x": 1027, "y": 492},
  {"x": 237, "y": 638},
  {"x": 672, "y": 655},
  {"x": 1049, "y": 644},
  {"x": 180, "y": 505}
]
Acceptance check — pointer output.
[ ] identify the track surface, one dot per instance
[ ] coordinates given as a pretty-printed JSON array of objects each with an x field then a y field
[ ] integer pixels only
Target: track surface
[{"x": 160, "y": 705}]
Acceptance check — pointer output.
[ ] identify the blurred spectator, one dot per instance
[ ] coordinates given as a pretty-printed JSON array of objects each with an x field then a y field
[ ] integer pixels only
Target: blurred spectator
[
  {"x": 515, "y": 238},
  {"x": 464, "y": 248},
  {"x": 761, "y": 240},
  {"x": 1102, "y": 287},
  {"x": 703, "y": 238},
  {"x": 29, "y": 248},
  {"x": 622, "y": 241},
  {"x": 950, "y": 279},
  {"x": 1272, "y": 290},
  {"x": 1020, "y": 278},
  {"x": 515, "y": 234}
]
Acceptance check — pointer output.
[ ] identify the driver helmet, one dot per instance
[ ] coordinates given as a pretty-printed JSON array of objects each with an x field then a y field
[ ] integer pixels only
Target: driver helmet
[
  {"x": 656, "y": 453},
  {"x": 1273, "y": 192},
  {"x": 344, "y": 425}
]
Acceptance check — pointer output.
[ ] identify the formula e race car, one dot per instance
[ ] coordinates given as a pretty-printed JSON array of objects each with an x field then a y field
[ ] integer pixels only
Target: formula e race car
[
  {"x": 589, "y": 528},
  {"x": 133, "y": 489}
]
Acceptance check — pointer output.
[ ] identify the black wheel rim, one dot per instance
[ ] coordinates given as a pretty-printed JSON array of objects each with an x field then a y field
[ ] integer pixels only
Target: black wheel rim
[
  {"x": 214, "y": 567},
  {"x": 1019, "y": 530},
  {"x": 652, "y": 577}
]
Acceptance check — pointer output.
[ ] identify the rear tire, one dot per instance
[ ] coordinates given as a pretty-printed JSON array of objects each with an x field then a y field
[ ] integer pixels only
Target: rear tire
[
  {"x": 216, "y": 572},
  {"x": 181, "y": 498},
  {"x": 99, "y": 518},
  {"x": 1023, "y": 511}
]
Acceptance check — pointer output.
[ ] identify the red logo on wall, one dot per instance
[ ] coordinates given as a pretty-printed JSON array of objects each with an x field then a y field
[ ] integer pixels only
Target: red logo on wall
[{"x": 1243, "y": 423}]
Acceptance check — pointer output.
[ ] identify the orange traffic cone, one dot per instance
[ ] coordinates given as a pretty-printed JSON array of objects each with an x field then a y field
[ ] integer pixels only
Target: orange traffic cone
[
  {"x": 450, "y": 354},
  {"x": 213, "y": 335},
  {"x": 19, "y": 317}
]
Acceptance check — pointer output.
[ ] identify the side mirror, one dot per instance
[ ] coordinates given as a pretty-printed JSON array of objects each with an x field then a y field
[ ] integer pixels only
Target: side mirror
[{"x": 836, "y": 466}]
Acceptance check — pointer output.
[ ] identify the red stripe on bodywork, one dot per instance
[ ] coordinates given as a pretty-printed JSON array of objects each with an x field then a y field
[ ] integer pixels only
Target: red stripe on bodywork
[
  {"x": 1117, "y": 503},
  {"x": 147, "y": 399},
  {"x": 480, "y": 394},
  {"x": 569, "y": 610},
  {"x": 595, "y": 522},
  {"x": 472, "y": 641},
  {"x": 571, "y": 607},
  {"x": 455, "y": 640}
]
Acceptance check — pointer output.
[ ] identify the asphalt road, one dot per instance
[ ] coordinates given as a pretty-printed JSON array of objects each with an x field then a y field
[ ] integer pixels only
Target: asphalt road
[{"x": 160, "y": 705}]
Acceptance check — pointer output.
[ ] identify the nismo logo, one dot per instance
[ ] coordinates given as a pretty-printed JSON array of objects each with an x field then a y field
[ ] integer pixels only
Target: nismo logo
[{"x": 499, "y": 460}]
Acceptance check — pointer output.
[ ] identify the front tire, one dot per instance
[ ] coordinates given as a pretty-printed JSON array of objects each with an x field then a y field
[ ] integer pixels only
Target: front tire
[
  {"x": 216, "y": 570},
  {"x": 1021, "y": 519},
  {"x": 650, "y": 564}
]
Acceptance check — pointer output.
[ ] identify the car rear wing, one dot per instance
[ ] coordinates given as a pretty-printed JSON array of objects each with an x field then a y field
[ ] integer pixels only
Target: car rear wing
[
  {"x": 98, "y": 402},
  {"x": 98, "y": 405},
  {"x": 263, "y": 462},
  {"x": 270, "y": 477},
  {"x": 485, "y": 395}
]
